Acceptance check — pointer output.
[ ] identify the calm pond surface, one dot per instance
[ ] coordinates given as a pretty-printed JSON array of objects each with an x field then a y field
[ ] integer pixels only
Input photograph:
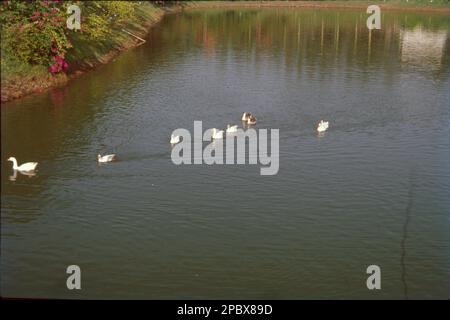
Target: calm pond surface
[{"x": 373, "y": 190}]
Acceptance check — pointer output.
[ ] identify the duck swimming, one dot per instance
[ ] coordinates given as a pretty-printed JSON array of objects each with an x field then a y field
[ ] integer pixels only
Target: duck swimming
[
  {"x": 217, "y": 134},
  {"x": 174, "y": 139},
  {"x": 29, "y": 166},
  {"x": 232, "y": 129},
  {"x": 322, "y": 126},
  {"x": 106, "y": 158}
]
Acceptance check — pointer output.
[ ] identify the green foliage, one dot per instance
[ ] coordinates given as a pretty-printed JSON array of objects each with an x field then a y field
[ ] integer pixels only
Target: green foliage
[
  {"x": 12, "y": 12},
  {"x": 33, "y": 45},
  {"x": 102, "y": 32},
  {"x": 95, "y": 27},
  {"x": 35, "y": 31},
  {"x": 119, "y": 11},
  {"x": 30, "y": 44},
  {"x": 101, "y": 18}
]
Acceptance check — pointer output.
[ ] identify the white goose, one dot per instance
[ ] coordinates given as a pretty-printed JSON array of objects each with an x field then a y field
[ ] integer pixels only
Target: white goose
[
  {"x": 217, "y": 134},
  {"x": 29, "y": 166},
  {"x": 106, "y": 158},
  {"x": 322, "y": 126},
  {"x": 174, "y": 139},
  {"x": 231, "y": 129}
]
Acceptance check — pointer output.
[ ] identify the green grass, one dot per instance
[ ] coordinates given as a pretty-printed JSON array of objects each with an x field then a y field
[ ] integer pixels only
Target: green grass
[{"x": 85, "y": 52}]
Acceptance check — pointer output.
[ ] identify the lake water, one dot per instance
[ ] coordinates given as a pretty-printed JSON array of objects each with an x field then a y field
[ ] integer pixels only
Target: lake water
[{"x": 373, "y": 190}]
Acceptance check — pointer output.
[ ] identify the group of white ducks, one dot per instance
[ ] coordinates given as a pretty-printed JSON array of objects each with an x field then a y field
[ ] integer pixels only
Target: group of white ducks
[{"x": 247, "y": 118}]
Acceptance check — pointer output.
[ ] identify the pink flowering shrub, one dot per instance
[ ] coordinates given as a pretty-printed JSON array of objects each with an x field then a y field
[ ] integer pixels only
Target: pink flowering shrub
[
  {"x": 37, "y": 32},
  {"x": 59, "y": 65}
]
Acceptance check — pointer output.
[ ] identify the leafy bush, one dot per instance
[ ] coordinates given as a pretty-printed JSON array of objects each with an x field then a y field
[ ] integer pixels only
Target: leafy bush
[
  {"x": 36, "y": 32},
  {"x": 100, "y": 18}
]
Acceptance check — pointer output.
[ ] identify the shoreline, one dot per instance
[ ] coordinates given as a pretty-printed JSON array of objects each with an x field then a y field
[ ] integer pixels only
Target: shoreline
[
  {"x": 37, "y": 85},
  {"x": 345, "y": 5}
]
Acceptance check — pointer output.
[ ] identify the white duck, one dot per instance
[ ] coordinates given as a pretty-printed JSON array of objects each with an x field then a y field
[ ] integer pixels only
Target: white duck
[
  {"x": 217, "y": 134},
  {"x": 323, "y": 126},
  {"x": 231, "y": 129},
  {"x": 106, "y": 158},
  {"x": 174, "y": 139},
  {"x": 29, "y": 166},
  {"x": 246, "y": 116}
]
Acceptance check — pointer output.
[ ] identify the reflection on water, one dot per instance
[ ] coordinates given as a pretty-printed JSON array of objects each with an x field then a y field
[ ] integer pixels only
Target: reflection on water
[
  {"x": 145, "y": 228},
  {"x": 320, "y": 37},
  {"x": 420, "y": 47},
  {"x": 14, "y": 175}
]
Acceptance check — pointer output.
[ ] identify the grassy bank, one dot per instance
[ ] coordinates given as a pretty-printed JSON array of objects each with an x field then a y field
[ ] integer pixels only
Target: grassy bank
[{"x": 87, "y": 49}]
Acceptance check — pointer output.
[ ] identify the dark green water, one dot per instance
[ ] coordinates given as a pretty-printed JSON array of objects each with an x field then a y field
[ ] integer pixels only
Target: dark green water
[{"x": 373, "y": 190}]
